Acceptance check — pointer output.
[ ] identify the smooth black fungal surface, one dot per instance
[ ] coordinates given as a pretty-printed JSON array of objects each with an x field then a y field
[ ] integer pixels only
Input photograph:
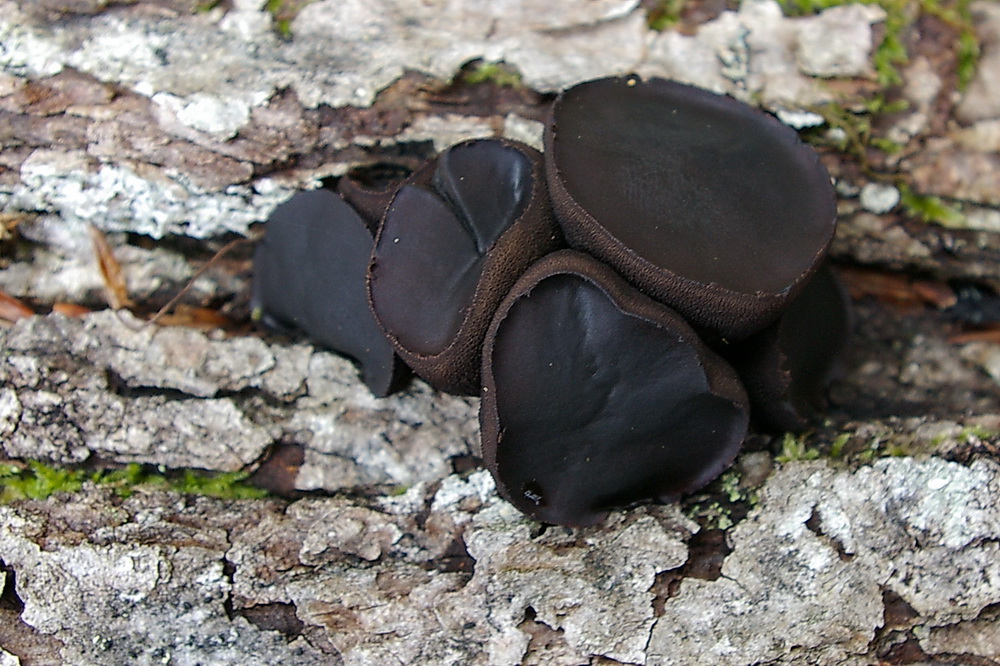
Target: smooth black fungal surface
[
  {"x": 707, "y": 204},
  {"x": 424, "y": 271},
  {"x": 487, "y": 184},
  {"x": 449, "y": 249},
  {"x": 596, "y": 396},
  {"x": 788, "y": 368},
  {"x": 813, "y": 334},
  {"x": 309, "y": 275}
]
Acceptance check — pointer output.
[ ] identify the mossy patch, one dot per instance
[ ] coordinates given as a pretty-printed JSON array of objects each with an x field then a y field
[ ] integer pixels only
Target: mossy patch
[
  {"x": 38, "y": 481},
  {"x": 968, "y": 434},
  {"x": 793, "y": 447},
  {"x": 931, "y": 209},
  {"x": 861, "y": 446},
  {"x": 665, "y": 14},
  {"x": 844, "y": 448},
  {"x": 497, "y": 73},
  {"x": 225, "y": 485},
  {"x": 856, "y": 127},
  {"x": 901, "y": 15},
  {"x": 283, "y": 12},
  {"x": 723, "y": 503},
  {"x": 207, "y": 6}
]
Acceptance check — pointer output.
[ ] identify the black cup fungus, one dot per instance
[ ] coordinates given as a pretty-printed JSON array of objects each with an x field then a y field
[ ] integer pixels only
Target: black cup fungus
[
  {"x": 309, "y": 275},
  {"x": 370, "y": 190},
  {"x": 705, "y": 203},
  {"x": 788, "y": 367},
  {"x": 450, "y": 246},
  {"x": 595, "y": 396},
  {"x": 692, "y": 217}
]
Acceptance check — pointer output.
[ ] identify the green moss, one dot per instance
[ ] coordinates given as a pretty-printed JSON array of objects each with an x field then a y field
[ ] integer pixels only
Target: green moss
[
  {"x": 901, "y": 15},
  {"x": 284, "y": 28},
  {"x": 968, "y": 56},
  {"x": 887, "y": 146},
  {"x": 931, "y": 209},
  {"x": 730, "y": 482},
  {"x": 851, "y": 449},
  {"x": 838, "y": 444},
  {"x": 38, "y": 481},
  {"x": 978, "y": 432},
  {"x": 126, "y": 479},
  {"x": 843, "y": 449},
  {"x": 666, "y": 14},
  {"x": 283, "y": 12},
  {"x": 806, "y": 7},
  {"x": 879, "y": 105},
  {"x": 227, "y": 485},
  {"x": 867, "y": 456},
  {"x": 711, "y": 516},
  {"x": 723, "y": 504},
  {"x": 938, "y": 440},
  {"x": 282, "y": 23},
  {"x": 850, "y": 130},
  {"x": 958, "y": 15},
  {"x": 207, "y": 6},
  {"x": 891, "y": 53},
  {"x": 498, "y": 73},
  {"x": 968, "y": 434},
  {"x": 878, "y": 448},
  {"x": 794, "y": 448}
]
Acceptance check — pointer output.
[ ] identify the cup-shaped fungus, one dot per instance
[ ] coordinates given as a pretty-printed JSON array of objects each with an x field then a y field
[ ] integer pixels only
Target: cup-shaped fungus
[
  {"x": 596, "y": 396},
  {"x": 309, "y": 275},
  {"x": 451, "y": 244},
  {"x": 705, "y": 203},
  {"x": 370, "y": 189},
  {"x": 788, "y": 367}
]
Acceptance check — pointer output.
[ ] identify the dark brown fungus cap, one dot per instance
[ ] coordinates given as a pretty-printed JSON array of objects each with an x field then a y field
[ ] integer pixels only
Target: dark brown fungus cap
[
  {"x": 309, "y": 275},
  {"x": 370, "y": 189},
  {"x": 788, "y": 367},
  {"x": 595, "y": 396},
  {"x": 451, "y": 245},
  {"x": 705, "y": 203}
]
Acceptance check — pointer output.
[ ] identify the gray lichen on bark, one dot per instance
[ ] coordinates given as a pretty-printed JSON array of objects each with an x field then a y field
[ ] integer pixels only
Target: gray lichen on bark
[
  {"x": 160, "y": 575},
  {"x": 112, "y": 387},
  {"x": 205, "y": 79}
]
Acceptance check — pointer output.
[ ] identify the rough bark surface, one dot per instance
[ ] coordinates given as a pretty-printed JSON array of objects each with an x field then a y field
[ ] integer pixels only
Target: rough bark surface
[{"x": 170, "y": 128}]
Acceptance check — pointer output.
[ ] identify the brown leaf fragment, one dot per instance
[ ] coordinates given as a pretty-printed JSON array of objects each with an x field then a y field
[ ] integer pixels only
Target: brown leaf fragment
[
  {"x": 9, "y": 223},
  {"x": 12, "y": 309},
  {"x": 115, "y": 289},
  {"x": 71, "y": 309},
  {"x": 207, "y": 318},
  {"x": 938, "y": 294},
  {"x": 988, "y": 334},
  {"x": 897, "y": 289},
  {"x": 193, "y": 317}
]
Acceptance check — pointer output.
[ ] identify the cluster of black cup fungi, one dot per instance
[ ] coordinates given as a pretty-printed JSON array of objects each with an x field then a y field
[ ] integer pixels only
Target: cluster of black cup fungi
[{"x": 623, "y": 303}]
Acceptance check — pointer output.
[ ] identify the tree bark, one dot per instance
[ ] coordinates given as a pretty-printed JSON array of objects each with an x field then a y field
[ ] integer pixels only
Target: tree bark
[{"x": 172, "y": 125}]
